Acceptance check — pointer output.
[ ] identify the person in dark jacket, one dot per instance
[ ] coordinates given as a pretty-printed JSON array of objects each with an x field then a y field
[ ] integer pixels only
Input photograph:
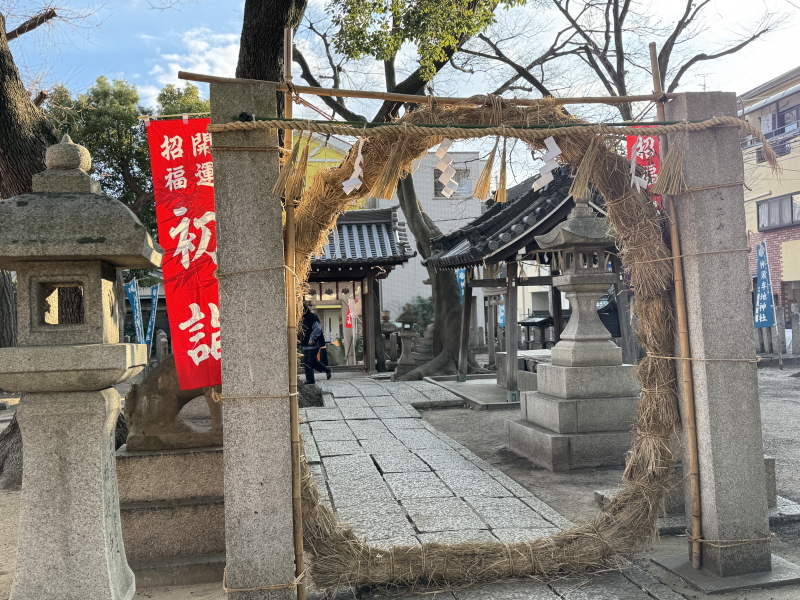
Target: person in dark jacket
[{"x": 311, "y": 340}]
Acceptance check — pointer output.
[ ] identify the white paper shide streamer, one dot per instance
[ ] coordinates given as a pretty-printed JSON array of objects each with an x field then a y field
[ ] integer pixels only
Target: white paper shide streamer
[
  {"x": 638, "y": 182},
  {"x": 445, "y": 166},
  {"x": 355, "y": 179},
  {"x": 550, "y": 164}
]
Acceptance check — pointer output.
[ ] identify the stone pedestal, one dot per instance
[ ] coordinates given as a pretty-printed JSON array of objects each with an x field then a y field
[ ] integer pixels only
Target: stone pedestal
[
  {"x": 70, "y": 537},
  {"x": 406, "y": 364}
]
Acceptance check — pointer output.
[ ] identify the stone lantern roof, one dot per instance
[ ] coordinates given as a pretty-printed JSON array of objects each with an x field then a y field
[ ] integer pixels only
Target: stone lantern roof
[
  {"x": 582, "y": 227},
  {"x": 68, "y": 218}
]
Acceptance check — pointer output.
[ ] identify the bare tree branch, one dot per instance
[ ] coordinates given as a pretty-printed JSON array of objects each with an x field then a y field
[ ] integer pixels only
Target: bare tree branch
[
  {"x": 32, "y": 24},
  {"x": 463, "y": 69},
  {"x": 334, "y": 104},
  {"x": 703, "y": 57},
  {"x": 40, "y": 98}
]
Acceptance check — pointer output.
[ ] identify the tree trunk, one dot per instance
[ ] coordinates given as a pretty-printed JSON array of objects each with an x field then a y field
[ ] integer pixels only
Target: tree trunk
[
  {"x": 25, "y": 133},
  {"x": 8, "y": 312},
  {"x": 444, "y": 288},
  {"x": 261, "y": 45}
]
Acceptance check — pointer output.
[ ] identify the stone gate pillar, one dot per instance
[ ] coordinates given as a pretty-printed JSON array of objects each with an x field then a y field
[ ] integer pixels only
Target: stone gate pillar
[
  {"x": 720, "y": 314},
  {"x": 255, "y": 374}
]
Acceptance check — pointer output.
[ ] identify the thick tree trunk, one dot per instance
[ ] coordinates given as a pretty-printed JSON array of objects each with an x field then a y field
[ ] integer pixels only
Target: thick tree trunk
[
  {"x": 444, "y": 288},
  {"x": 261, "y": 45},
  {"x": 25, "y": 133},
  {"x": 8, "y": 312}
]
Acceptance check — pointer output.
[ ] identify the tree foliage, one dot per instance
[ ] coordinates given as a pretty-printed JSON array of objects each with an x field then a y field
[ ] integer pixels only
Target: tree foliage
[{"x": 379, "y": 28}]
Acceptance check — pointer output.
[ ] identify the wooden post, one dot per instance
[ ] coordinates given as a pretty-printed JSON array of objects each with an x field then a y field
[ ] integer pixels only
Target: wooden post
[
  {"x": 690, "y": 424},
  {"x": 491, "y": 330},
  {"x": 291, "y": 334},
  {"x": 466, "y": 313},
  {"x": 512, "y": 332},
  {"x": 368, "y": 320}
]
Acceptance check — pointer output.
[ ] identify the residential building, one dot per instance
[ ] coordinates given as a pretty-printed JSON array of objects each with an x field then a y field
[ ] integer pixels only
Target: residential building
[
  {"x": 449, "y": 214},
  {"x": 772, "y": 202}
]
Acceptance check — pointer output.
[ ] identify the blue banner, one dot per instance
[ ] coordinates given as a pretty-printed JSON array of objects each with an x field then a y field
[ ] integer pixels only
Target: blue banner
[
  {"x": 501, "y": 314},
  {"x": 132, "y": 291},
  {"x": 461, "y": 277},
  {"x": 764, "y": 313},
  {"x": 151, "y": 324}
]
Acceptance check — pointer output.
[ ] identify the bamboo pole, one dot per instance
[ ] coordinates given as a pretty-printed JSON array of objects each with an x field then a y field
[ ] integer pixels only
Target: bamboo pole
[
  {"x": 685, "y": 352},
  {"x": 291, "y": 332},
  {"x": 411, "y": 98}
]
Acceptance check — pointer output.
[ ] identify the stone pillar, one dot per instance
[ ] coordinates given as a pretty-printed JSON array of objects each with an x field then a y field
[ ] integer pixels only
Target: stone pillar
[
  {"x": 796, "y": 333},
  {"x": 258, "y": 484},
  {"x": 732, "y": 479},
  {"x": 406, "y": 364},
  {"x": 779, "y": 331},
  {"x": 70, "y": 503},
  {"x": 491, "y": 330}
]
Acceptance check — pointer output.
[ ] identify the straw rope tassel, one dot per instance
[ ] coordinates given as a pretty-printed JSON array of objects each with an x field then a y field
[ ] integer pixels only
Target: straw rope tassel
[
  {"x": 670, "y": 179},
  {"x": 298, "y": 181},
  {"x": 500, "y": 194},
  {"x": 580, "y": 183},
  {"x": 485, "y": 179},
  {"x": 287, "y": 172},
  {"x": 386, "y": 183}
]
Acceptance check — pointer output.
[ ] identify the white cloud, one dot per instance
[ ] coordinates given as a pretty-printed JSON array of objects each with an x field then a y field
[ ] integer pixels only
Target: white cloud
[{"x": 199, "y": 50}]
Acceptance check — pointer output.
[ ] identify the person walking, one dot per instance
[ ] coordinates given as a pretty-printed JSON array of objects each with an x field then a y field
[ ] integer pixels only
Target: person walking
[{"x": 311, "y": 342}]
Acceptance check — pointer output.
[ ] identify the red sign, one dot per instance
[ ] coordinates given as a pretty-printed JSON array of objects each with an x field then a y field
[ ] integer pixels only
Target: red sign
[
  {"x": 348, "y": 321},
  {"x": 648, "y": 154},
  {"x": 183, "y": 185}
]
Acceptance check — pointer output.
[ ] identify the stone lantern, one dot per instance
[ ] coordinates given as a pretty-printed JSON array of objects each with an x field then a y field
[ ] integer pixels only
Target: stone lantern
[
  {"x": 66, "y": 241},
  {"x": 582, "y": 413},
  {"x": 406, "y": 362}
]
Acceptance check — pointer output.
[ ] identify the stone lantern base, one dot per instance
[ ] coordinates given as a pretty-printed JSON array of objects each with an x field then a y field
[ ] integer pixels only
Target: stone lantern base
[
  {"x": 571, "y": 422},
  {"x": 70, "y": 504}
]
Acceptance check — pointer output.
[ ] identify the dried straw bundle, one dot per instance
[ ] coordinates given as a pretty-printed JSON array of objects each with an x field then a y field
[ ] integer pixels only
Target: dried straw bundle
[{"x": 338, "y": 557}]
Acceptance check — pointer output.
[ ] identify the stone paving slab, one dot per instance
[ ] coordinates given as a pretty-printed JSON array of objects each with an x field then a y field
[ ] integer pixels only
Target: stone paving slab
[
  {"x": 471, "y": 482},
  {"x": 417, "y": 485},
  {"x": 354, "y": 464},
  {"x": 363, "y": 429},
  {"x": 380, "y": 400},
  {"x": 347, "y": 495},
  {"x": 321, "y": 414},
  {"x": 310, "y": 450},
  {"x": 382, "y": 444},
  {"x": 444, "y": 459},
  {"x": 334, "y": 434},
  {"x": 399, "y": 462},
  {"x": 403, "y": 423},
  {"x": 351, "y": 403},
  {"x": 339, "y": 448},
  {"x": 442, "y": 514},
  {"x": 378, "y": 521},
  {"x": 506, "y": 513},
  {"x": 417, "y": 439},
  {"x": 352, "y": 413}
]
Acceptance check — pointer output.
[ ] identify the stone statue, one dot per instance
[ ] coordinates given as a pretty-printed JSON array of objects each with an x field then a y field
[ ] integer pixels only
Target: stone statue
[{"x": 152, "y": 413}]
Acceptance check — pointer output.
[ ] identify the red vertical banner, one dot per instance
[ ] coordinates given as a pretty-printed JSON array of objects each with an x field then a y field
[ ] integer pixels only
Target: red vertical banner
[
  {"x": 183, "y": 185},
  {"x": 648, "y": 154}
]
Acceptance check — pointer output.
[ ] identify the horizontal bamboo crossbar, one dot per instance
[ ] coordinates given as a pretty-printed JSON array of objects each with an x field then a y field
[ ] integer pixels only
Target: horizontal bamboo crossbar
[{"x": 415, "y": 99}]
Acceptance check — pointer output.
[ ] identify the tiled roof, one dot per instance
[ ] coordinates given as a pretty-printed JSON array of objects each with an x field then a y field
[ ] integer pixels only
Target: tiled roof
[
  {"x": 506, "y": 228},
  {"x": 365, "y": 238}
]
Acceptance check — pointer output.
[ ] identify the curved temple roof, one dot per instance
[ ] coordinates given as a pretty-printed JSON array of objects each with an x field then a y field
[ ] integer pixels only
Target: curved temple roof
[
  {"x": 363, "y": 241},
  {"x": 503, "y": 229}
]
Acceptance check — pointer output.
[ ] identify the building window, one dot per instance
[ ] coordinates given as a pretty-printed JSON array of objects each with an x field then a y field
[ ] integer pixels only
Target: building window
[
  {"x": 461, "y": 177},
  {"x": 779, "y": 212},
  {"x": 789, "y": 119},
  {"x": 781, "y": 147}
]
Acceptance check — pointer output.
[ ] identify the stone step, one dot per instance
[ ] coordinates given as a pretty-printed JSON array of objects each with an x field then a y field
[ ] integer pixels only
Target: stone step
[
  {"x": 173, "y": 528},
  {"x": 567, "y": 451},
  {"x": 185, "y": 570},
  {"x": 583, "y": 415},
  {"x": 169, "y": 474}
]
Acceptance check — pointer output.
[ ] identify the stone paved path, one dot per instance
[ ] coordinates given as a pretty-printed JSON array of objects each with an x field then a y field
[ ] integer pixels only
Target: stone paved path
[{"x": 399, "y": 481}]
